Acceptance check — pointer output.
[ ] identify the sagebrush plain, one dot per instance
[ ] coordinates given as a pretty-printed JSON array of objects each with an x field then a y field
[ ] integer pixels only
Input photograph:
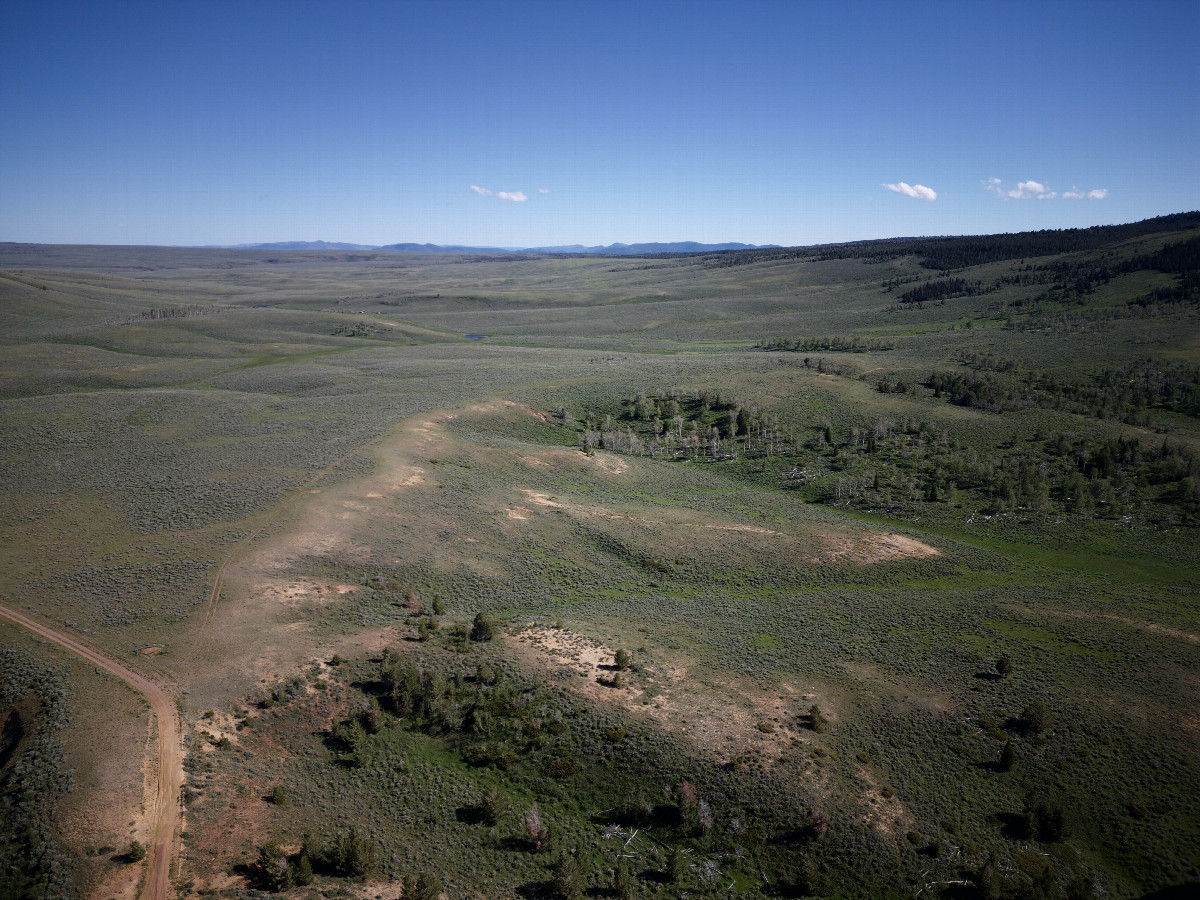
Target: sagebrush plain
[{"x": 855, "y": 571}]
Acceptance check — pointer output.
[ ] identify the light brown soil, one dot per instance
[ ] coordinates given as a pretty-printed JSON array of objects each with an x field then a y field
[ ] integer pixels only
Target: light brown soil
[
  {"x": 720, "y": 717},
  {"x": 873, "y": 547},
  {"x": 539, "y": 498}
]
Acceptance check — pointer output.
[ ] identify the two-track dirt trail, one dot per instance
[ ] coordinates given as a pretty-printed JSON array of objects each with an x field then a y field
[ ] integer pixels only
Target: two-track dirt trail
[
  {"x": 165, "y": 816},
  {"x": 264, "y": 519}
]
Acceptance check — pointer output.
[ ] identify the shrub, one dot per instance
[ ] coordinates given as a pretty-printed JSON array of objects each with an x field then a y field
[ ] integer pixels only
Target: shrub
[{"x": 563, "y": 767}]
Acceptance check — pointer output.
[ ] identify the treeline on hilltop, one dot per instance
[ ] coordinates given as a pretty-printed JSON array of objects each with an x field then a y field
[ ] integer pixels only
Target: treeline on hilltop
[
  {"x": 1127, "y": 394},
  {"x": 1071, "y": 281},
  {"x": 1062, "y": 304},
  {"x": 948, "y": 253},
  {"x": 833, "y": 344}
]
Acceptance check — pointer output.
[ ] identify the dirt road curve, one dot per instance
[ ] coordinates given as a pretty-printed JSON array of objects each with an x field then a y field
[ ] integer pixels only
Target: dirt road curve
[{"x": 169, "y": 781}]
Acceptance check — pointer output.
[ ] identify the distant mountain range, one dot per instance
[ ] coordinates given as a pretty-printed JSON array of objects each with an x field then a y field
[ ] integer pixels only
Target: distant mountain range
[{"x": 610, "y": 250}]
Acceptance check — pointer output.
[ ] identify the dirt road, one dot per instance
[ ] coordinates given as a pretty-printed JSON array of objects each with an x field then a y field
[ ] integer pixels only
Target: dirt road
[
  {"x": 165, "y": 816},
  {"x": 265, "y": 518}
]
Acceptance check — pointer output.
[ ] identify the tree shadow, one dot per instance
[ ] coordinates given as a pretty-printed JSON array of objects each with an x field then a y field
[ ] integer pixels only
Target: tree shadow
[
  {"x": 801, "y": 834},
  {"x": 1014, "y": 826},
  {"x": 473, "y": 814},
  {"x": 535, "y": 890},
  {"x": 1178, "y": 892},
  {"x": 654, "y": 876},
  {"x": 987, "y": 676},
  {"x": 517, "y": 844}
]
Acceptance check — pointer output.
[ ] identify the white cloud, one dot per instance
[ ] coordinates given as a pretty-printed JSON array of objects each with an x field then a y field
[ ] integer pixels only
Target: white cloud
[
  {"x": 1027, "y": 189},
  {"x": 916, "y": 191},
  {"x": 514, "y": 196},
  {"x": 543, "y": 190}
]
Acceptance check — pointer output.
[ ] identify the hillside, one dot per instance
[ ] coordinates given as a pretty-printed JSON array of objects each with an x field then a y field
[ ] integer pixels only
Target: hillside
[{"x": 862, "y": 570}]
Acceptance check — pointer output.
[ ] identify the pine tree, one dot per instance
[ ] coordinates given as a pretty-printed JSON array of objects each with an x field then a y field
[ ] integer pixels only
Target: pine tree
[
  {"x": 622, "y": 883},
  {"x": 274, "y": 871},
  {"x": 426, "y": 887},
  {"x": 1008, "y": 757},
  {"x": 565, "y": 885},
  {"x": 676, "y": 866},
  {"x": 482, "y": 629},
  {"x": 1004, "y": 667},
  {"x": 302, "y": 869}
]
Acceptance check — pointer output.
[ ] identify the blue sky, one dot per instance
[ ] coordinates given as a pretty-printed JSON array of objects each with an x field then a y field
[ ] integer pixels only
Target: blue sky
[{"x": 784, "y": 123}]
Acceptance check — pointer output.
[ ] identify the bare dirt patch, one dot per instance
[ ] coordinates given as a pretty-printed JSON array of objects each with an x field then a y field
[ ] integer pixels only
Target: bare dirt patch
[
  {"x": 874, "y": 547},
  {"x": 542, "y": 499},
  {"x": 886, "y": 814},
  {"x": 566, "y": 458},
  {"x": 724, "y": 718}
]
